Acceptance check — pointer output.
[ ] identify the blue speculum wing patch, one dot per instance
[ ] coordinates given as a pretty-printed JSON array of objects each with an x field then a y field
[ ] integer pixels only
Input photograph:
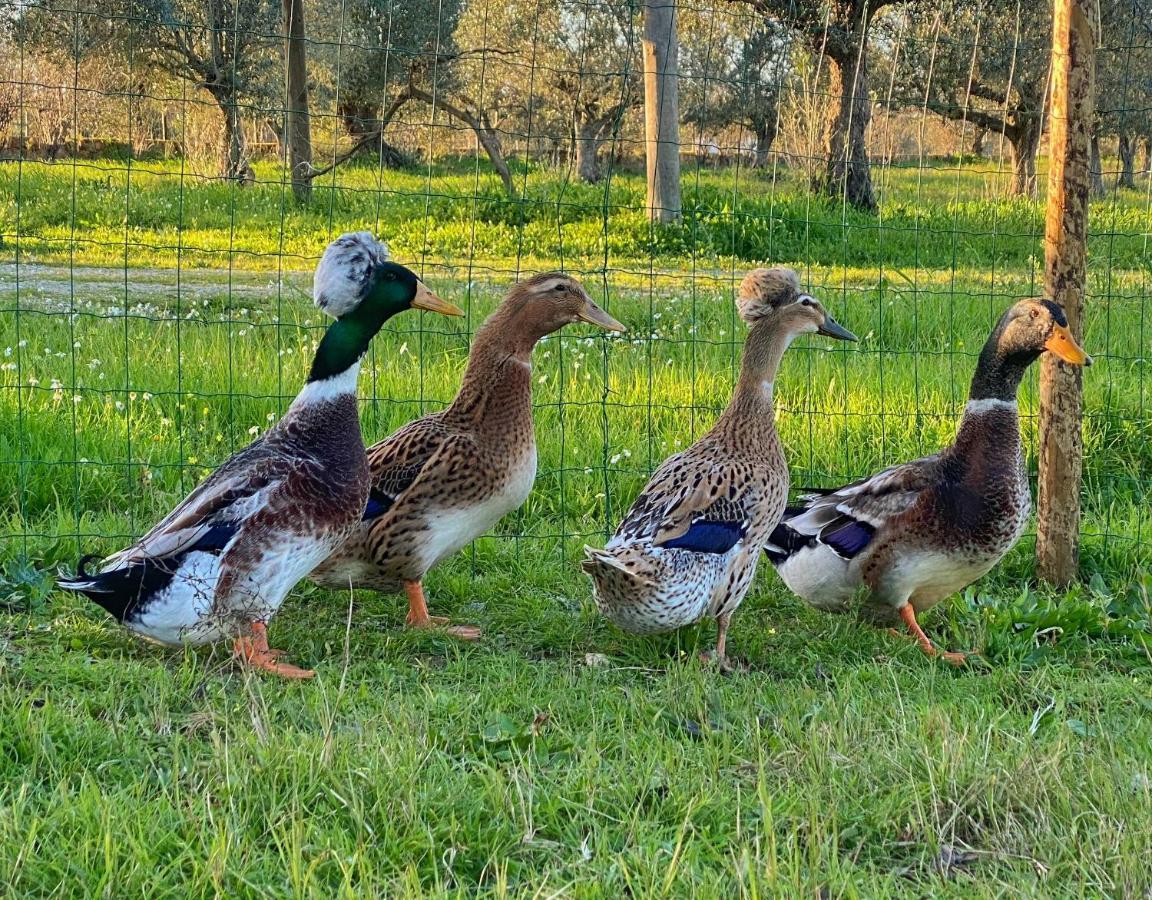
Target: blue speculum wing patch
[
  {"x": 378, "y": 504},
  {"x": 848, "y": 540},
  {"x": 215, "y": 538},
  {"x": 708, "y": 537}
]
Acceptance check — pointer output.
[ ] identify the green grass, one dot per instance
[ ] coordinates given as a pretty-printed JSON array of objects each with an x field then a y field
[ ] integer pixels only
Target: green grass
[{"x": 841, "y": 764}]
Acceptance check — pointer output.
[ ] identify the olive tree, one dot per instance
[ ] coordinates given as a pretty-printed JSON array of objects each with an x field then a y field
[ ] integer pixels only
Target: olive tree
[
  {"x": 839, "y": 31},
  {"x": 985, "y": 63}
]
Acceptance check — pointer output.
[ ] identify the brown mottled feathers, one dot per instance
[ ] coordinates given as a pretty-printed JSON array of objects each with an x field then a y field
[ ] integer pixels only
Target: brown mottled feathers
[
  {"x": 397, "y": 462},
  {"x": 275, "y": 472},
  {"x": 690, "y": 487},
  {"x": 873, "y": 500}
]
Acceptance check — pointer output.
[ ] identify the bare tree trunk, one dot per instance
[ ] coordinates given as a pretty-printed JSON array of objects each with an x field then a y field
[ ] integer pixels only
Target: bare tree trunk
[
  {"x": 765, "y": 136},
  {"x": 662, "y": 110},
  {"x": 1065, "y": 245},
  {"x": 235, "y": 164},
  {"x": 1147, "y": 156},
  {"x": 1127, "y": 177},
  {"x": 1095, "y": 169},
  {"x": 1025, "y": 141},
  {"x": 367, "y": 125},
  {"x": 848, "y": 174},
  {"x": 978, "y": 140},
  {"x": 297, "y": 126},
  {"x": 490, "y": 141},
  {"x": 587, "y": 147},
  {"x": 475, "y": 118}
]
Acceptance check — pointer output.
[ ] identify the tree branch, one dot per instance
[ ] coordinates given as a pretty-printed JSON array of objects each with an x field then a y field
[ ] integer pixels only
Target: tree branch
[
  {"x": 386, "y": 118},
  {"x": 979, "y": 118},
  {"x": 476, "y": 119}
]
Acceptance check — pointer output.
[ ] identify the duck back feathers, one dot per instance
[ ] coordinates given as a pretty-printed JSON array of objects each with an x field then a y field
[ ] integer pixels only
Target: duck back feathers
[
  {"x": 917, "y": 532},
  {"x": 689, "y": 545}
]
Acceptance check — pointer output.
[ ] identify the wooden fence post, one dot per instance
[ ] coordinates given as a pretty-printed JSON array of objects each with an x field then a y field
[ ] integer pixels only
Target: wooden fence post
[
  {"x": 297, "y": 128},
  {"x": 1075, "y": 26},
  {"x": 662, "y": 109}
]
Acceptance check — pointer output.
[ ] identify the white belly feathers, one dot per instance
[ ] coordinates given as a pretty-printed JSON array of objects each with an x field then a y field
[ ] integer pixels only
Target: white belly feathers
[{"x": 451, "y": 528}]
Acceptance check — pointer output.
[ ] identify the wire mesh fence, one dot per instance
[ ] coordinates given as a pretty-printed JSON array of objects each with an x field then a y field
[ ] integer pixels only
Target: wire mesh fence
[{"x": 172, "y": 170}]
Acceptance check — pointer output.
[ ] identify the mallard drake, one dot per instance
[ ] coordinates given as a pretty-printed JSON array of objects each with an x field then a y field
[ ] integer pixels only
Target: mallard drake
[
  {"x": 898, "y": 543},
  {"x": 442, "y": 481},
  {"x": 689, "y": 546},
  {"x": 220, "y": 564}
]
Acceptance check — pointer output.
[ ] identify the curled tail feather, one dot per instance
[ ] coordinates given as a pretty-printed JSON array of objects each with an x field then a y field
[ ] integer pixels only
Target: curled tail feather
[{"x": 601, "y": 563}]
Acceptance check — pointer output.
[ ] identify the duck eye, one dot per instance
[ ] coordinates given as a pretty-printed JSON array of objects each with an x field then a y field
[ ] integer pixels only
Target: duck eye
[
  {"x": 1035, "y": 313},
  {"x": 806, "y": 302},
  {"x": 558, "y": 287}
]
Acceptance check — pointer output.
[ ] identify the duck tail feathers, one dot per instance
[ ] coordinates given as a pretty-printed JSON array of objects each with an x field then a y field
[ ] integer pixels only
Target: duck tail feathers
[
  {"x": 118, "y": 589},
  {"x": 83, "y": 580},
  {"x": 600, "y": 563}
]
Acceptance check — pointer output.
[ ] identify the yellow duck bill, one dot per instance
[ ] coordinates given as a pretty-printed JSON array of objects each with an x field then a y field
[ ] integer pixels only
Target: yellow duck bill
[
  {"x": 1065, "y": 347},
  {"x": 425, "y": 299}
]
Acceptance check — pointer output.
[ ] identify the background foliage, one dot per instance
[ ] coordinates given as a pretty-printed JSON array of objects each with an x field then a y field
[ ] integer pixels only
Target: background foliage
[{"x": 155, "y": 315}]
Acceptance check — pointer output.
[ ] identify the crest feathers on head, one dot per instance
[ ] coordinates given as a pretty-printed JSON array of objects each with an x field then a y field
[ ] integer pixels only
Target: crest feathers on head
[
  {"x": 344, "y": 272},
  {"x": 764, "y": 290}
]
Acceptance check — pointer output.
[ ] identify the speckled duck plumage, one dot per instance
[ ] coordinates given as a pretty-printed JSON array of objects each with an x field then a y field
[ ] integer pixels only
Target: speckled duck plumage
[
  {"x": 896, "y": 544},
  {"x": 221, "y": 563},
  {"x": 443, "y": 480},
  {"x": 688, "y": 547}
]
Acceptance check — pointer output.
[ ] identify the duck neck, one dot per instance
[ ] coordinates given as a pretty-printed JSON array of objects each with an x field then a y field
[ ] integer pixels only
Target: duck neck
[
  {"x": 319, "y": 391},
  {"x": 998, "y": 374},
  {"x": 336, "y": 365},
  {"x": 499, "y": 369},
  {"x": 750, "y": 412},
  {"x": 990, "y": 428},
  {"x": 344, "y": 343}
]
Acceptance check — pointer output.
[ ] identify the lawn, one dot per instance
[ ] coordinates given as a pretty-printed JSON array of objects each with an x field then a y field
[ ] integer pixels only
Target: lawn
[{"x": 156, "y": 321}]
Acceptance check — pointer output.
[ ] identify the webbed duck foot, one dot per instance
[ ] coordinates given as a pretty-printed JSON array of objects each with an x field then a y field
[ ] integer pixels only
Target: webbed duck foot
[
  {"x": 442, "y": 623},
  {"x": 718, "y": 657},
  {"x": 418, "y": 616},
  {"x": 908, "y": 615},
  {"x": 254, "y": 652},
  {"x": 725, "y": 665}
]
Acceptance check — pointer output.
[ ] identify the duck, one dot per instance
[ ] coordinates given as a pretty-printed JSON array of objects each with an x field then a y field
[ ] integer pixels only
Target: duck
[
  {"x": 688, "y": 547},
  {"x": 895, "y": 544},
  {"x": 445, "y": 479},
  {"x": 221, "y": 563}
]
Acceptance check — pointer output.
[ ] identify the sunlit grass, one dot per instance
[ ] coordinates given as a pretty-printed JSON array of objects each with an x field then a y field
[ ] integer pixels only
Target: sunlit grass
[
  {"x": 841, "y": 764},
  {"x": 150, "y": 213}
]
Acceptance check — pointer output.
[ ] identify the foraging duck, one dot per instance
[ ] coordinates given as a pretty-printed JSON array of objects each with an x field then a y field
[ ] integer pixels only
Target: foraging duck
[
  {"x": 442, "y": 481},
  {"x": 916, "y": 533},
  {"x": 220, "y": 564},
  {"x": 689, "y": 546}
]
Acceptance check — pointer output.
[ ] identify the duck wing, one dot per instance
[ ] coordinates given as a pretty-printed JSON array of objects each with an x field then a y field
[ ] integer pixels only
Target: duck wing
[
  {"x": 845, "y": 519},
  {"x": 692, "y": 503},
  {"x": 420, "y": 451},
  {"x": 218, "y": 507}
]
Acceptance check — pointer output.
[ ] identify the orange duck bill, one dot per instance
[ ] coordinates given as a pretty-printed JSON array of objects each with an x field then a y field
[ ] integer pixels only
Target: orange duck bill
[{"x": 1064, "y": 346}]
